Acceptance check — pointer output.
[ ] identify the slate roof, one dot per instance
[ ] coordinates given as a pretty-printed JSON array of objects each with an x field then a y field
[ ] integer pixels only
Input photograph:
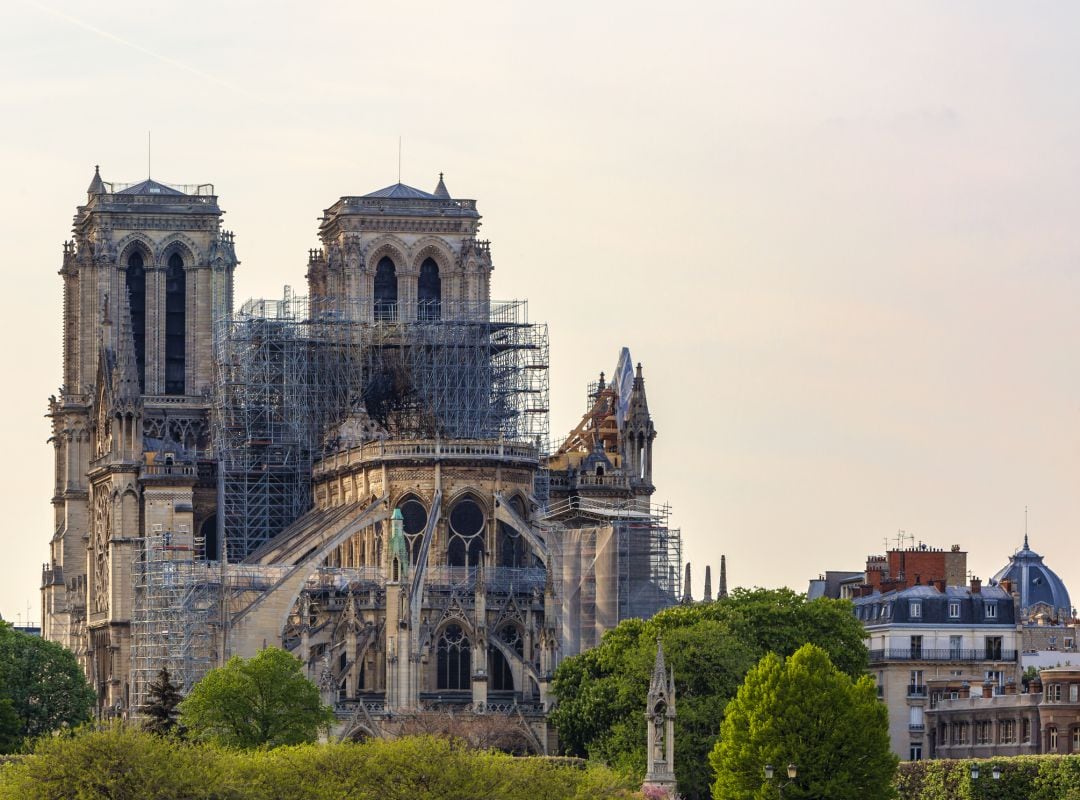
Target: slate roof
[
  {"x": 150, "y": 186},
  {"x": 399, "y": 191},
  {"x": 1036, "y": 582}
]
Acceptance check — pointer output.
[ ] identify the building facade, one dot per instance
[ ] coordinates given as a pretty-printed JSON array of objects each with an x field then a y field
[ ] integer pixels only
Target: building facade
[
  {"x": 360, "y": 475},
  {"x": 979, "y": 722},
  {"x": 923, "y": 634}
]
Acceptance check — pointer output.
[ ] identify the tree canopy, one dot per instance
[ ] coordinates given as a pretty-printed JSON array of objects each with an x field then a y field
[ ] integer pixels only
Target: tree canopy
[
  {"x": 265, "y": 700},
  {"x": 711, "y": 646},
  {"x": 163, "y": 699},
  {"x": 125, "y": 763},
  {"x": 44, "y": 683},
  {"x": 804, "y": 711}
]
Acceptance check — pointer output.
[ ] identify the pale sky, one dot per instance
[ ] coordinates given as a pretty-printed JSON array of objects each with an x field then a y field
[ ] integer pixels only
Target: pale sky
[{"x": 842, "y": 237}]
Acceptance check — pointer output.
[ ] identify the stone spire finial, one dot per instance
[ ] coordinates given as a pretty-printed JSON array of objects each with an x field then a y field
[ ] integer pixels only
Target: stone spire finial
[
  {"x": 722, "y": 590},
  {"x": 659, "y": 672},
  {"x": 440, "y": 190},
  {"x": 97, "y": 186},
  {"x": 708, "y": 584},
  {"x": 688, "y": 596}
]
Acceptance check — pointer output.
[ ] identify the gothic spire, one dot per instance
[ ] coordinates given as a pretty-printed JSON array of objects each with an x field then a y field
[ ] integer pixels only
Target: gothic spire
[
  {"x": 97, "y": 186},
  {"x": 659, "y": 683},
  {"x": 440, "y": 190},
  {"x": 688, "y": 596},
  {"x": 722, "y": 592},
  {"x": 708, "y": 584}
]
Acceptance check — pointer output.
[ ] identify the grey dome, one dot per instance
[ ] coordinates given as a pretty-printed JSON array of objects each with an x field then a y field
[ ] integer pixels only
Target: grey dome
[{"x": 1035, "y": 581}]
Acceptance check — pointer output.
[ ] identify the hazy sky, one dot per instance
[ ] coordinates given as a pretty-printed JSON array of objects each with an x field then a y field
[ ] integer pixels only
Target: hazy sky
[{"x": 841, "y": 237}]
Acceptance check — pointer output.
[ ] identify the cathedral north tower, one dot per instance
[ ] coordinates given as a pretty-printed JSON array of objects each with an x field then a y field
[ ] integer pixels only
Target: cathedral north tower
[{"x": 147, "y": 279}]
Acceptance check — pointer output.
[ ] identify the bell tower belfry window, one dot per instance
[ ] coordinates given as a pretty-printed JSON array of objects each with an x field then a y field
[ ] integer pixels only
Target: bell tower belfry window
[
  {"x": 175, "y": 327},
  {"x": 386, "y": 289},
  {"x": 136, "y": 288}
]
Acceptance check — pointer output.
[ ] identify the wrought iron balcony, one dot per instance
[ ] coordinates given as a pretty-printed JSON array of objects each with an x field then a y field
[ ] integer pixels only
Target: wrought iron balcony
[{"x": 947, "y": 654}]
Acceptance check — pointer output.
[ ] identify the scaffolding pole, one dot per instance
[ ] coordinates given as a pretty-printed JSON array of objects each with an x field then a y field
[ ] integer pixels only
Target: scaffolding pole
[
  {"x": 290, "y": 373},
  {"x": 174, "y": 612}
]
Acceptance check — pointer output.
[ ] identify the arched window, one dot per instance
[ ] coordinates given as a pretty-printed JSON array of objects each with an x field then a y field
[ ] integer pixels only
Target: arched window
[
  {"x": 175, "y": 328},
  {"x": 513, "y": 550},
  {"x": 429, "y": 291},
  {"x": 208, "y": 533},
  {"x": 136, "y": 287},
  {"x": 414, "y": 518},
  {"x": 385, "y": 289},
  {"x": 499, "y": 672},
  {"x": 466, "y": 545},
  {"x": 501, "y": 676},
  {"x": 454, "y": 665}
]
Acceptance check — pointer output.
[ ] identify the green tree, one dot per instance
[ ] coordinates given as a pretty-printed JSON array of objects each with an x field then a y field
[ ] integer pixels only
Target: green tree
[
  {"x": 10, "y": 726},
  {"x": 265, "y": 700},
  {"x": 161, "y": 707},
  {"x": 805, "y": 711},
  {"x": 43, "y": 681},
  {"x": 601, "y": 693}
]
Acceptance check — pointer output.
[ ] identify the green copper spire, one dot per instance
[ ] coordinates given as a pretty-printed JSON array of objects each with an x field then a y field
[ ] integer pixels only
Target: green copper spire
[{"x": 399, "y": 548}]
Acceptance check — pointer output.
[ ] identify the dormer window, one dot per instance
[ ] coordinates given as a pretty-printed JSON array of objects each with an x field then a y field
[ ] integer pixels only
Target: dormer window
[
  {"x": 915, "y": 609},
  {"x": 991, "y": 609},
  {"x": 954, "y": 609}
]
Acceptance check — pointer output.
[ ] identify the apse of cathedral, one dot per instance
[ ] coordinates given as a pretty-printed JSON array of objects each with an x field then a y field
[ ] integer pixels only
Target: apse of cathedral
[{"x": 363, "y": 475}]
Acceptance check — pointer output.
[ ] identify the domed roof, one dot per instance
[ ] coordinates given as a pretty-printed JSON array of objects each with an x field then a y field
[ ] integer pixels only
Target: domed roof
[{"x": 1036, "y": 582}]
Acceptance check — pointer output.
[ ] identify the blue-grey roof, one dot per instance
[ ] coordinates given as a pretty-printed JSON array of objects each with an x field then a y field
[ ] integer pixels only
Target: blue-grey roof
[
  {"x": 934, "y": 606},
  {"x": 399, "y": 191},
  {"x": 1035, "y": 581},
  {"x": 150, "y": 186}
]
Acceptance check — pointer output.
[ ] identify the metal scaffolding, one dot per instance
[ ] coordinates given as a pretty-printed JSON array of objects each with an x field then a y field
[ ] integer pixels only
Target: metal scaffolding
[
  {"x": 612, "y": 561},
  {"x": 292, "y": 373},
  {"x": 174, "y": 613}
]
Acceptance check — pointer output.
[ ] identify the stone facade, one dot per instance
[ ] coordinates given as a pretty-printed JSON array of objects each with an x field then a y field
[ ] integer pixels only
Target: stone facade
[
  {"x": 921, "y": 635},
  {"x": 966, "y": 721},
  {"x": 425, "y": 574}
]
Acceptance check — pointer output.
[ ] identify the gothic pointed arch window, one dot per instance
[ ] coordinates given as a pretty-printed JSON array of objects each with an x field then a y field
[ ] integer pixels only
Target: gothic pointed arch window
[
  {"x": 499, "y": 671},
  {"x": 513, "y": 550},
  {"x": 135, "y": 273},
  {"x": 414, "y": 519},
  {"x": 175, "y": 324},
  {"x": 385, "y": 289},
  {"x": 454, "y": 660},
  {"x": 466, "y": 545},
  {"x": 429, "y": 291}
]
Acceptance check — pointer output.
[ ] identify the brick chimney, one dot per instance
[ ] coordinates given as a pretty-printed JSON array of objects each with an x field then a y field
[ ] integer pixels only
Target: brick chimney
[{"x": 976, "y": 586}]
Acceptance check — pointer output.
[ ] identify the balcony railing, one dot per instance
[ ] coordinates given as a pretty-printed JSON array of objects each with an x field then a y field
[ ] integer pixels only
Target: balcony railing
[
  {"x": 948, "y": 654},
  {"x": 916, "y": 726},
  {"x": 916, "y": 691}
]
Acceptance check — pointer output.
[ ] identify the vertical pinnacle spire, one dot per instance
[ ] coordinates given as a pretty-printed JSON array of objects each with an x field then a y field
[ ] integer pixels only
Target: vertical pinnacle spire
[
  {"x": 440, "y": 190},
  {"x": 97, "y": 186},
  {"x": 688, "y": 596},
  {"x": 659, "y": 674},
  {"x": 722, "y": 592},
  {"x": 708, "y": 584}
]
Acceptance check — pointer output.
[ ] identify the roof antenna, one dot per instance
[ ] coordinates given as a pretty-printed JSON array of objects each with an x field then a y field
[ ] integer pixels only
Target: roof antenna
[
  {"x": 148, "y": 155},
  {"x": 1025, "y": 528},
  {"x": 399, "y": 159}
]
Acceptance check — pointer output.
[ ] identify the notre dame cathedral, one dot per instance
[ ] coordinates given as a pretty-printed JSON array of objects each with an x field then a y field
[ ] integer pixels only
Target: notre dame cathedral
[{"x": 362, "y": 475}]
